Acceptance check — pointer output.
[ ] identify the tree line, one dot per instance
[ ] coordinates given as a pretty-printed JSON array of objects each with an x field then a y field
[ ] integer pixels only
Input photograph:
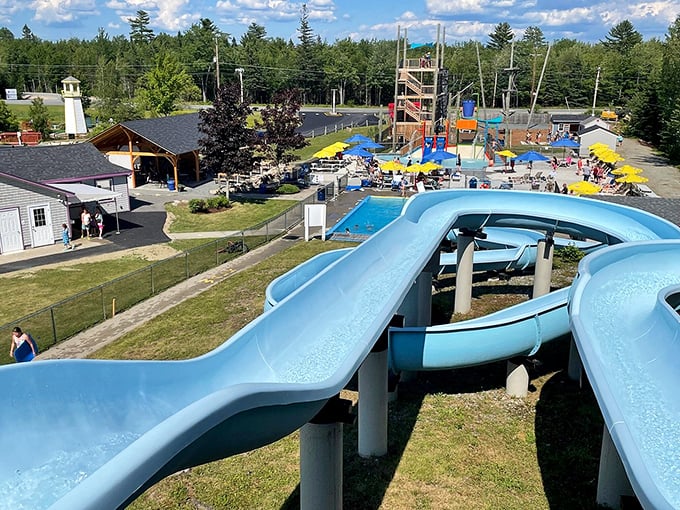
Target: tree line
[{"x": 130, "y": 76}]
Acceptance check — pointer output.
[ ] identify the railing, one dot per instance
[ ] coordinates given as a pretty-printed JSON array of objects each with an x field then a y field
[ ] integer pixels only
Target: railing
[{"x": 75, "y": 314}]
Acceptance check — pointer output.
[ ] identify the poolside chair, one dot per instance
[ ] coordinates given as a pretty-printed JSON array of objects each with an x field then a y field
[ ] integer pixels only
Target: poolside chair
[{"x": 525, "y": 179}]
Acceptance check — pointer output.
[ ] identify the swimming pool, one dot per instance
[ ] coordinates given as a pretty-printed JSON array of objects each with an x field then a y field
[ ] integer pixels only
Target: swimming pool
[{"x": 369, "y": 216}]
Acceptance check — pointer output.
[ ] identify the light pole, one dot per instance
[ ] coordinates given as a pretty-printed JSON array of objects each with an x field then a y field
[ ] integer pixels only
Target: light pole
[
  {"x": 333, "y": 106},
  {"x": 239, "y": 70}
]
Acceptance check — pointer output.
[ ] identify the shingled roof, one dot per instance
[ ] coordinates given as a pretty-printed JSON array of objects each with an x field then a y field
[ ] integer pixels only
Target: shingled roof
[
  {"x": 177, "y": 134},
  {"x": 57, "y": 163}
]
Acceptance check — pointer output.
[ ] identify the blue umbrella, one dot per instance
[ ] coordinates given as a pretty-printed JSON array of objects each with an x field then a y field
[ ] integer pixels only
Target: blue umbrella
[
  {"x": 370, "y": 145},
  {"x": 565, "y": 142},
  {"x": 439, "y": 155},
  {"x": 532, "y": 156},
  {"x": 357, "y": 151},
  {"x": 358, "y": 138}
]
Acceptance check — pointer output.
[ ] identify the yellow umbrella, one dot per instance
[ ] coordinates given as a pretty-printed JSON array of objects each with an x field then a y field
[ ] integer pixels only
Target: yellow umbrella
[
  {"x": 583, "y": 188},
  {"x": 326, "y": 153},
  {"x": 429, "y": 166},
  {"x": 414, "y": 168},
  {"x": 598, "y": 145},
  {"x": 632, "y": 178},
  {"x": 608, "y": 156},
  {"x": 340, "y": 145},
  {"x": 507, "y": 154},
  {"x": 391, "y": 166},
  {"x": 627, "y": 169}
]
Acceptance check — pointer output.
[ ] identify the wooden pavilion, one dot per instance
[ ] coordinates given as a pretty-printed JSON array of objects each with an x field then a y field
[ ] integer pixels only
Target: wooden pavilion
[{"x": 154, "y": 150}]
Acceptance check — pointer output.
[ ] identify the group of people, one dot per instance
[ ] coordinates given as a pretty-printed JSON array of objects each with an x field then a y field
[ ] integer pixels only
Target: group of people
[{"x": 90, "y": 224}]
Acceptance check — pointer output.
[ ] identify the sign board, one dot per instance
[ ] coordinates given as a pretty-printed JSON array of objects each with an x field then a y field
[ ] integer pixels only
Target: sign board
[
  {"x": 11, "y": 94},
  {"x": 315, "y": 216}
]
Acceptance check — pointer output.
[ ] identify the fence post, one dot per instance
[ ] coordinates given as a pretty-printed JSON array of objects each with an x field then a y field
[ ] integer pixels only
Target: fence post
[
  {"x": 101, "y": 288},
  {"x": 217, "y": 253},
  {"x": 186, "y": 264},
  {"x": 54, "y": 325},
  {"x": 153, "y": 285}
]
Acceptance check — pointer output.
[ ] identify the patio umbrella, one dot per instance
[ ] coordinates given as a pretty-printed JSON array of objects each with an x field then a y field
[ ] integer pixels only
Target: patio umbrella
[
  {"x": 507, "y": 154},
  {"x": 632, "y": 178},
  {"x": 358, "y": 139},
  {"x": 428, "y": 166},
  {"x": 357, "y": 151},
  {"x": 627, "y": 169},
  {"x": 439, "y": 155},
  {"x": 326, "y": 152},
  {"x": 370, "y": 145},
  {"x": 583, "y": 188},
  {"x": 608, "y": 156},
  {"x": 392, "y": 166},
  {"x": 532, "y": 156},
  {"x": 598, "y": 145},
  {"x": 415, "y": 168},
  {"x": 565, "y": 143}
]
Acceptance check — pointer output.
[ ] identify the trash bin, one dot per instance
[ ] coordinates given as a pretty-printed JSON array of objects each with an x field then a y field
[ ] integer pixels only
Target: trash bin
[
  {"x": 468, "y": 108},
  {"x": 473, "y": 182},
  {"x": 321, "y": 194},
  {"x": 171, "y": 184}
]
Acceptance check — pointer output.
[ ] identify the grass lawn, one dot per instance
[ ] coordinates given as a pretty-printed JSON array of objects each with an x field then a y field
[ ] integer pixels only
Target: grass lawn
[
  {"x": 55, "y": 112},
  {"x": 456, "y": 440},
  {"x": 29, "y": 291},
  {"x": 243, "y": 214}
]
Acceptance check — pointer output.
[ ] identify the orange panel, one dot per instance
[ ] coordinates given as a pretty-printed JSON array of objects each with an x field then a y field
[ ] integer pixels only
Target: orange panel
[{"x": 470, "y": 124}]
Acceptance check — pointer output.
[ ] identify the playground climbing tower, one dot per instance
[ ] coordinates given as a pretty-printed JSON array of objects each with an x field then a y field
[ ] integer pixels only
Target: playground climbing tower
[{"x": 421, "y": 95}]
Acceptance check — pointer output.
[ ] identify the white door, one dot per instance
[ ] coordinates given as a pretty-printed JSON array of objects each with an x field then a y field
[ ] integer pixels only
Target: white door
[
  {"x": 41, "y": 225},
  {"x": 10, "y": 231}
]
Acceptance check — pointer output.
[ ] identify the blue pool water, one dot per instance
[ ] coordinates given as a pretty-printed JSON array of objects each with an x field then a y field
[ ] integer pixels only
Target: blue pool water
[{"x": 369, "y": 216}]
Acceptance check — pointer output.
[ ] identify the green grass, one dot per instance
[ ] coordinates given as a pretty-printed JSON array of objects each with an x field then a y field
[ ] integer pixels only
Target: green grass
[
  {"x": 242, "y": 215},
  {"x": 456, "y": 440},
  {"x": 55, "y": 112},
  {"x": 28, "y": 291}
]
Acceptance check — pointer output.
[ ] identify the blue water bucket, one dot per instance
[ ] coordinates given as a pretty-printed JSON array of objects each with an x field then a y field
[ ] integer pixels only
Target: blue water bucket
[
  {"x": 468, "y": 108},
  {"x": 171, "y": 184}
]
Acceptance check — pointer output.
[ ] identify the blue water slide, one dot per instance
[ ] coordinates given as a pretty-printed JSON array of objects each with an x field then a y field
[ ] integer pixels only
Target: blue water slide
[
  {"x": 95, "y": 434},
  {"x": 624, "y": 317}
]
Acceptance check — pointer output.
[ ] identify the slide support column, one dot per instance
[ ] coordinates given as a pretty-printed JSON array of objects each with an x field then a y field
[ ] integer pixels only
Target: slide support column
[
  {"x": 575, "y": 367},
  {"x": 544, "y": 265},
  {"x": 321, "y": 456},
  {"x": 373, "y": 399},
  {"x": 517, "y": 378},
  {"x": 465, "y": 248},
  {"x": 612, "y": 481}
]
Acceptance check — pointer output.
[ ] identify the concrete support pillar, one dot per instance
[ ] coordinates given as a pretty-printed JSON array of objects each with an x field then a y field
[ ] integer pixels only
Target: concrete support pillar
[
  {"x": 373, "y": 400},
  {"x": 321, "y": 457},
  {"x": 575, "y": 367},
  {"x": 543, "y": 268},
  {"x": 612, "y": 481},
  {"x": 465, "y": 249},
  {"x": 517, "y": 378}
]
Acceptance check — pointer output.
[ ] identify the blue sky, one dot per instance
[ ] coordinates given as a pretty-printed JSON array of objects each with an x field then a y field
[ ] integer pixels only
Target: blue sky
[{"x": 462, "y": 20}]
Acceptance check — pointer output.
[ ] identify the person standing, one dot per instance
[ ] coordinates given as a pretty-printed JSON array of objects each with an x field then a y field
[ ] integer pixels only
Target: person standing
[
  {"x": 18, "y": 339},
  {"x": 99, "y": 220},
  {"x": 66, "y": 237},
  {"x": 586, "y": 170},
  {"x": 85, "y": 219}
]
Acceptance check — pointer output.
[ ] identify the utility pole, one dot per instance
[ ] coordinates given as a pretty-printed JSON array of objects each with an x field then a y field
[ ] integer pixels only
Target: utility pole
[
  {"x": 333, "y": 104},
  {"x": 512, "y": 72},
  {"x": 217, "y": 62},
  {"x": 597, "y": 82},
  {"x": 239, "y": 70}
]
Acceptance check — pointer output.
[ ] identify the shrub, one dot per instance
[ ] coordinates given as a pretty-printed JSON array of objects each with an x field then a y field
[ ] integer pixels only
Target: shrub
[
  {"x": 570, "y": 253},
  {"x": 287, "y": 189},
  {"x": 218, "y": 202},
  {"x": 197, "y": 205}
]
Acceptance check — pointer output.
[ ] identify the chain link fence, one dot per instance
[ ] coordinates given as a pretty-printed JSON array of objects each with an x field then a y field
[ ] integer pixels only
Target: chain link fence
[{"x": 75, "y": 314}]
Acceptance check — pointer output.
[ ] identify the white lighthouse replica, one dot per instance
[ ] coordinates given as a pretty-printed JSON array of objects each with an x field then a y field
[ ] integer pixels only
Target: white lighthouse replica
[{"x": 73, "y": 107}]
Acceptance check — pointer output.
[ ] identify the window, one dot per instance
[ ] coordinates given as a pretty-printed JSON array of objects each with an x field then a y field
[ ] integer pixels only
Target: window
[
  {"x": 39, "y": 218},
  {"x": 103, "y": 183}
]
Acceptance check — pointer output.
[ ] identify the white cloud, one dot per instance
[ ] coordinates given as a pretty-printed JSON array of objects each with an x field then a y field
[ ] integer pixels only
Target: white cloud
[
  {"x": 262, "y": 11},
  {"x": 166, "y": 15},
  {"x": 62, "y": 11}
]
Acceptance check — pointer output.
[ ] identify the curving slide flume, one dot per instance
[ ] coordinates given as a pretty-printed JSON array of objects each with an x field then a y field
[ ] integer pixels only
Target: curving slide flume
[{"x": 95, "y": 434}]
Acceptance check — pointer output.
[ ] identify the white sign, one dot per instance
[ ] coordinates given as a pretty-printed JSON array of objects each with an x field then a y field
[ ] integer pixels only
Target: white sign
[
  {"x": 315, "y": 216},
  {"x": 11, "y": 94}
]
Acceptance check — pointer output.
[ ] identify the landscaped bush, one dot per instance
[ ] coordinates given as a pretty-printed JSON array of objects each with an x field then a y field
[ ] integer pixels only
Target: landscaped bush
[
  {"x": 198, "y": 205},
  {"x": 287, "y": 189},
  {"x": 218, "y": 202}
]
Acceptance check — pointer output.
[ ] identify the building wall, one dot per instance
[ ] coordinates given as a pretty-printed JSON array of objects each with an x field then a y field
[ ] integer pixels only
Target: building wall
[
  {"x": 598, "y": 135},
  {"x": 12, "y": 196}
]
